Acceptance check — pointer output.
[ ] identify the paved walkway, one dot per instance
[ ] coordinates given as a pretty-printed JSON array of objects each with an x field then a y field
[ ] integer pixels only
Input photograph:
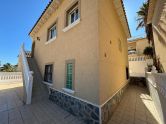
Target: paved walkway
[
  {"x": 12, "y": 110},
  {"x": 136, "y": 107}
]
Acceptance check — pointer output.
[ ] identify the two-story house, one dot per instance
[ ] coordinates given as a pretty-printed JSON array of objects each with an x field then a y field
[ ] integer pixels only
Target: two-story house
[{"x": 80, "y": 47}]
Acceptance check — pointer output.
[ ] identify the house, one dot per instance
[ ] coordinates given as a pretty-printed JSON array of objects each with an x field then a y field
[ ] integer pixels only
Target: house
[
  {"x": 137, "y": 45},
  {"x": 80, "y": 47},
  {"x": 137, "y": 60},
  {"x": 156, "y": 22}
]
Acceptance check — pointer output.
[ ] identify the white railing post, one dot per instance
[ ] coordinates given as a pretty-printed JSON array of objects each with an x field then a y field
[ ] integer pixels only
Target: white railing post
[
  {"x": 27, "y": 76},
  {"x": 9, "y": 77}
]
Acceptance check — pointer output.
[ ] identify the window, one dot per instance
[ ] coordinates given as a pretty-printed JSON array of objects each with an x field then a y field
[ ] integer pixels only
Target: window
[
  {"x": 48, "y": 73},
  {"x": 52, "y": 32},
  {"x": 70, "y": 74},
  {"x": 72, "y": 14}
]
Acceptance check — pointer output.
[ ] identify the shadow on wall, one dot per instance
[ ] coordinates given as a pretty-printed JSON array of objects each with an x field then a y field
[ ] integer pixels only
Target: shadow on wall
[
  {"x": 160, "y": 38},
  {"x": 151, "y": 115},
  {"x": 159, "y": 101},
  {"x": 163, "y": 105}
]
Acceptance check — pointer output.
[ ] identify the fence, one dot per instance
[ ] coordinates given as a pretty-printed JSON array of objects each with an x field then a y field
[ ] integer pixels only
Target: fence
[
  {"x": 137, "y": 65},
  {"x": 9, "y": 77},
  {"x": 157, "y": 87}
]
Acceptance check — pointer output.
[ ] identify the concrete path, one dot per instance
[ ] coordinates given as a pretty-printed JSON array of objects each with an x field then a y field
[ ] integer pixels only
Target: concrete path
[
  {"x": 13, "y": 111},
  {"x": 136, "y": 107}
]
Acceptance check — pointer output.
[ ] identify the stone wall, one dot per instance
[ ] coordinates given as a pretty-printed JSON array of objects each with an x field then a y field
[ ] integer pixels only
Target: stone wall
[
  {"x": 109, "y": 107},
  {"x": 90, "y": 113},
  {"x": 83, "y": 110}
]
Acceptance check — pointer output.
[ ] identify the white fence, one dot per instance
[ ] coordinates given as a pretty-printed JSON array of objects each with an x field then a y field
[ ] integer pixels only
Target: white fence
[
  {"x": 10, "y": 77},
  {"x": 157, "y": 87},
  {"x": 27, "y": 76},
  {"x": 137, "y": 65}
]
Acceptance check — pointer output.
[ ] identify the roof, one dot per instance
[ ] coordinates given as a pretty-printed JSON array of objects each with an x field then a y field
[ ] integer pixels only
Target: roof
[
  {"x": 41, "y": 15},
  {"x": 137, "y": 39},
  {"x": 48, "y": 11},
  {"x": 151, "y": 8},
  {"x": 54, "y": 4},
  {"x": 119, "y": 5}
]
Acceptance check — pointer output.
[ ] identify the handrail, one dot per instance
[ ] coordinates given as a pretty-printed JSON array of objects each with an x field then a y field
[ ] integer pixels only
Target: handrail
[{"x": 27, "y": 76}]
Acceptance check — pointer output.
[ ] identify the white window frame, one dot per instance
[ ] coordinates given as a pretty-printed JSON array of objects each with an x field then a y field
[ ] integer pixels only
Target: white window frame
[
  {"x": 69, "y": 15},
  {"x": 50, "y": 37},
  {"x": 68, "y": 24}
]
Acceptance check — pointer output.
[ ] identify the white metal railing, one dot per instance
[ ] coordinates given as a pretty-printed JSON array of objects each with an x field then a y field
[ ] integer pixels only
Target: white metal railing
[
  {"x": 27, "y": 76},
  {"x": 9, "y": 77}
]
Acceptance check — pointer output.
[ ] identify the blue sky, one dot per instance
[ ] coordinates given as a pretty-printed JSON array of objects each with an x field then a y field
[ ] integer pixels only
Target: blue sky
[
  {"x": 131, "y": 7},
  {"x": 17, "y": 17}
]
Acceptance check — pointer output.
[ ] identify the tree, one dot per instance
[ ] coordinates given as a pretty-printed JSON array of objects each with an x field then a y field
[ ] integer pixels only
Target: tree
[
  {"x": 148, "y": 51},
  {"x": 8, "y": 68},
  {"x": 142, "y": 16}
]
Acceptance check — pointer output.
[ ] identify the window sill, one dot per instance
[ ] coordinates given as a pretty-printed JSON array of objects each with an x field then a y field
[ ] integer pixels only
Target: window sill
[
  {"x": 49, "y": 84},
  {"x": 68, "y": 91},
  {"x": 51, "y": 40},
  {"x": 71, "y": 25}
]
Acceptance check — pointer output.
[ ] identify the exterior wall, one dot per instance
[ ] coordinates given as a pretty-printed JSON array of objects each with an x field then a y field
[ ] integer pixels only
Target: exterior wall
[
  {"x": 79, "y": 43},
  {"x": 159, "y": 31},
  {"x": 157, "y": 89},
  {"x": 137, "y": 65},
  {"x": 139, "y": 44},
  {"x": 80, "y": 108},
  {"x": 131, "y": 45},
  {"x": 112, "y": 51},
  {"x": 138, "y": 61}
]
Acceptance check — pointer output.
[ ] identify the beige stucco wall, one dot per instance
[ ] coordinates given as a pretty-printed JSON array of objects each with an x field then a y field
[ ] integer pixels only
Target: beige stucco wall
[
  {"x": 139, "y": 44},
  {"x": 79, "y": 43},
  {"x": 112, "y": 51},
  {"x": 159, "y": 31},
  {"x": 99, "y": 34},
  {"x": 131, "y": 45}
]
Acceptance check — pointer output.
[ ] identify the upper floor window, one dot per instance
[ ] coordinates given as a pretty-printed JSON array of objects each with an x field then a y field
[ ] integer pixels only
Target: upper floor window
[
  {"x": 73, "y": 14},
  {"x": 52, "y": 32}
]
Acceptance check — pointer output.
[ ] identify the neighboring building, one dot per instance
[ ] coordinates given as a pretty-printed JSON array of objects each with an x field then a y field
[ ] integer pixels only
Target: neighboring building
[
  {"x": 137, "y": 46},
  {"x": 137, "y": 60},
  {"x": 81, "y": 49},
  {"x": 157, "y": 29}
]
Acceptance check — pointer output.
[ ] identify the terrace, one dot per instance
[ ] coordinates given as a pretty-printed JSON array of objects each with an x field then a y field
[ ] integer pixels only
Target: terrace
[{"x": 136, "y": 107}]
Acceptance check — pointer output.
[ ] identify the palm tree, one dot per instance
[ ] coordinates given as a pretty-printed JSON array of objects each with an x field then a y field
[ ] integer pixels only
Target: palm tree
[
  {"x": 7, "y": 68},
  {"x": 142, "y": 16}
]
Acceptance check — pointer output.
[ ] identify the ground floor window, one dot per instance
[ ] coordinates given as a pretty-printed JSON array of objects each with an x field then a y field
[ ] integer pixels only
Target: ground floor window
[
  {"x": 48, "y": 73},
  {"x": 70, "y": 65}
]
